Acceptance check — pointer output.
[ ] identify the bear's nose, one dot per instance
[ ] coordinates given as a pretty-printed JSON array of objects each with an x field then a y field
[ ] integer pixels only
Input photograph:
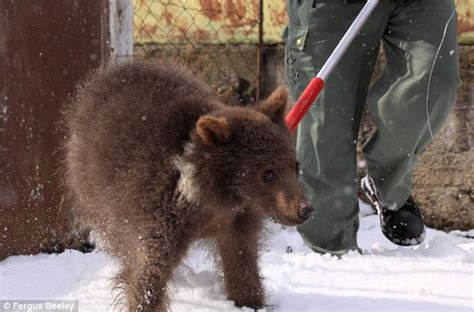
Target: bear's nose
[{"x": 305, "y": 212}]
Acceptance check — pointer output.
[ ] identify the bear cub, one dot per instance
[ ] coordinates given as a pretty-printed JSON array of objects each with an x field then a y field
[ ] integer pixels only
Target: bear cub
[{"x": 154, "y": 161}]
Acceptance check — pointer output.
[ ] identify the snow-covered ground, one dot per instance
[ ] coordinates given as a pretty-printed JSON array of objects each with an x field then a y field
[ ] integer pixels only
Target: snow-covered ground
[{"x": 435, "y": 276}]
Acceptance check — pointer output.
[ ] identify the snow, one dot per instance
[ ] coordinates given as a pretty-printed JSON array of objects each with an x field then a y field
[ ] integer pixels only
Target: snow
[{"x": 435, "y": 276}]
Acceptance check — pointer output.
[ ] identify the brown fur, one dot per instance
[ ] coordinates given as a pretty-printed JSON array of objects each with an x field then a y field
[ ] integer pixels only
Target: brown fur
[{"x": 155, "y": 162}]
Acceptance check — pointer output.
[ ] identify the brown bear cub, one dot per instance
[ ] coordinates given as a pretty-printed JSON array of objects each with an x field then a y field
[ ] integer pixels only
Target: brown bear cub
[{"x": 154, "y": 162}]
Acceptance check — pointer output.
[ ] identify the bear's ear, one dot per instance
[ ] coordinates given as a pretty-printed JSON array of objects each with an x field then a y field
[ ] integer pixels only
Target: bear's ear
[
  {"x": 212, "y": 130},
  {"x": 275, "y": 105}
]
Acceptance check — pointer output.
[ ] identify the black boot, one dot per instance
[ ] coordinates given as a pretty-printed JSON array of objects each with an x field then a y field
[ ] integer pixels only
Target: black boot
[{"x": 403, "y": 227}]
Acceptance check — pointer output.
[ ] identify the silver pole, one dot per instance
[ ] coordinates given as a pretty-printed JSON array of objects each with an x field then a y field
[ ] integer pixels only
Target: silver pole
[{"x": 347, "y": 39}]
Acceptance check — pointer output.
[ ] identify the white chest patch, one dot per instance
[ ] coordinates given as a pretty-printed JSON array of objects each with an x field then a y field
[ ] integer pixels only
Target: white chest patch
[{"x": 187, "y": 186}]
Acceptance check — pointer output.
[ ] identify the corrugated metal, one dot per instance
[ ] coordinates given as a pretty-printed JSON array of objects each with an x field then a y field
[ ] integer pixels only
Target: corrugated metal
[{"x": 231, "y": 21}]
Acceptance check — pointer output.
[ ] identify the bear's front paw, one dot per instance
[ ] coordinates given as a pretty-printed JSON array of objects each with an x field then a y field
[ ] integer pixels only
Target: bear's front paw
[{"x": 253, "y": 303}]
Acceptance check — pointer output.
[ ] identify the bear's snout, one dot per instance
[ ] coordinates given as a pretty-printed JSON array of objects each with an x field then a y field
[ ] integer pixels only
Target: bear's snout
[
  {"x": 293, "y": 210},
  {"x": 305, "y": 212}
]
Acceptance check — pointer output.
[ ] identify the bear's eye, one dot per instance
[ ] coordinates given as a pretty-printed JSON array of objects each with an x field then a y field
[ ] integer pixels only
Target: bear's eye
[{"x": 268, "y": 175}]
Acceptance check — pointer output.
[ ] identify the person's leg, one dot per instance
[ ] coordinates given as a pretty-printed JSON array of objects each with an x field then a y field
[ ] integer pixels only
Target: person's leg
[
  {"x": 414, "y": 94},
  {"x": 326, "y": 143}
]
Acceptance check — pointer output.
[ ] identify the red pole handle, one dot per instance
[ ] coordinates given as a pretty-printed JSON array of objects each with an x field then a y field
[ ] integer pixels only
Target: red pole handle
[{"x": 303, "y": 104}]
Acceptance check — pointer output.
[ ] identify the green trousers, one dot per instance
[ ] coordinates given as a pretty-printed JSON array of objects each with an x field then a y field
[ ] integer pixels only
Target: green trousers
[{"x": 409, "y": 103}]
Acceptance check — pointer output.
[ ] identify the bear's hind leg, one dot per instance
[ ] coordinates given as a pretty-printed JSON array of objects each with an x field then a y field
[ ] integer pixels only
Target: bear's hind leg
[{"x": 146, "y": 273}]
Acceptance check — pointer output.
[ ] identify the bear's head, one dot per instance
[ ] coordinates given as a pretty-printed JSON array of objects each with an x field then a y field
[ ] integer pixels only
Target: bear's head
[{"x": 243, "y": 159}]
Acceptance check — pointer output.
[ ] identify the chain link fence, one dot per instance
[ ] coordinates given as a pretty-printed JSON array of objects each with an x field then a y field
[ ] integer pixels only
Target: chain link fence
[{"x": 220, "y": 40}]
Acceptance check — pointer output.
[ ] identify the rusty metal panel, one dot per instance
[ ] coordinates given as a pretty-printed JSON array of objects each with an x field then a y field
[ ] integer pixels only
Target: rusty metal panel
[
  {"x": 46, "y": 47},
  {"x": 275, "y": 19},
  {"x": 228, "y": 21}
]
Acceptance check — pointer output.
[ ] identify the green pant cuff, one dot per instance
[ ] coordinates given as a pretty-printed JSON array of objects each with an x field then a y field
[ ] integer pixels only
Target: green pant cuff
[{"x": 337, "y": 253}]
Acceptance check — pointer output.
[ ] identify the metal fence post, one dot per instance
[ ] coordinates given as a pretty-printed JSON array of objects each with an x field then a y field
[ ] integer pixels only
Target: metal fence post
[{"x": 259, "y": 51}]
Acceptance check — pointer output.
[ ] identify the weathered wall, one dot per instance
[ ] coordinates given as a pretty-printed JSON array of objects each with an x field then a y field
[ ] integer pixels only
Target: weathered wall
[
  {"x": 45, "y": 49},
  {"x": 230, "y": 69}
]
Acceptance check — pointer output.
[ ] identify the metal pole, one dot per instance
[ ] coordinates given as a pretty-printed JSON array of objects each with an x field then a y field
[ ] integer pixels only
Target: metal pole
[{"x": 259, "y": 52}]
